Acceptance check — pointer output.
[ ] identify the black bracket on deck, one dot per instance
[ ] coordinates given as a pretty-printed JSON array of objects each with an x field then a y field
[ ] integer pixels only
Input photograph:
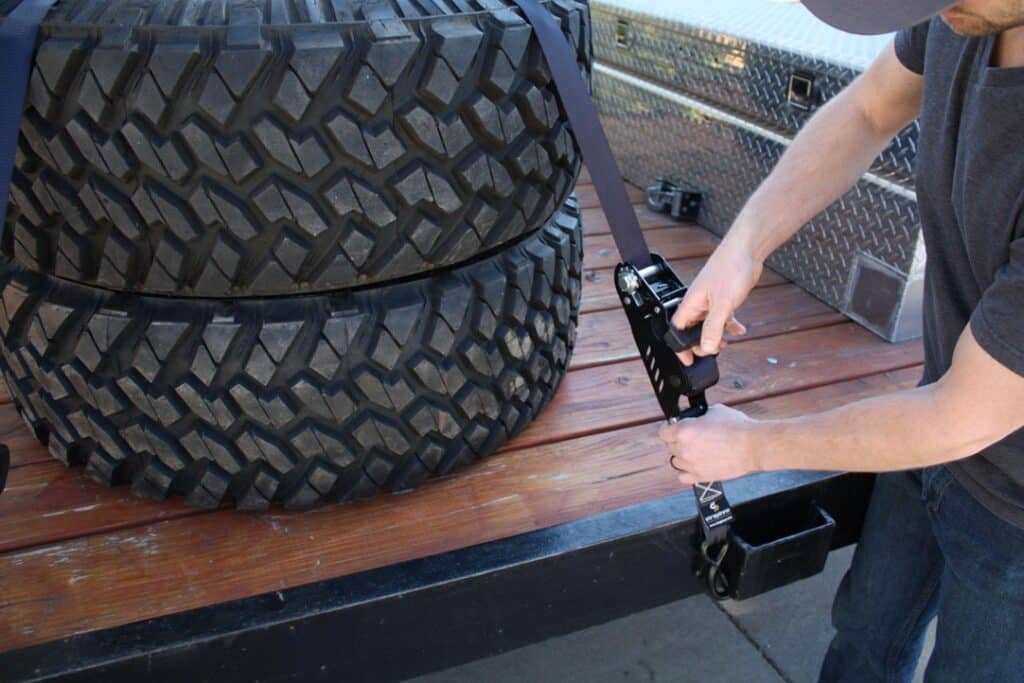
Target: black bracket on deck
[{"x": 669, "y": 195}]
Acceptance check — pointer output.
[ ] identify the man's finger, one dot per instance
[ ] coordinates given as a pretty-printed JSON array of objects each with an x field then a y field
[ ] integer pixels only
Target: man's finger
[
  {"x": 735, "y": 327},
  {"x": 686, "y": 357},
  {"x": 681, "y": 439},
  {"x": 667, "y": 434},
  {"x": 687, "y": 479},
  {"x": 714, "y": 328}
]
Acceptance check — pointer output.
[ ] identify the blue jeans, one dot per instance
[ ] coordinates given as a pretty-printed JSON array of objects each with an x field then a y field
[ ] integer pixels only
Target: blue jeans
[{"x": 929, "y": 548}]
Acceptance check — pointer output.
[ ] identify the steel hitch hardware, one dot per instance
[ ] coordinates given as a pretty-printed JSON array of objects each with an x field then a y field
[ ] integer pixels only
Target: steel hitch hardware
[{"x": 669, "y": 195}]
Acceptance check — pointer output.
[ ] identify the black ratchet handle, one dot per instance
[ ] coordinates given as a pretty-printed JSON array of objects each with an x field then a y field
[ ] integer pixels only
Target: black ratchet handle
[{"x": 683, "y": 340}]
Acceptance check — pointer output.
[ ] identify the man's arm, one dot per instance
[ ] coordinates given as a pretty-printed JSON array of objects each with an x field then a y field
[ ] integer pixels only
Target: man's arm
[
  {"x": 975, "y": 404},
  {"x": 829, "y": 155}
]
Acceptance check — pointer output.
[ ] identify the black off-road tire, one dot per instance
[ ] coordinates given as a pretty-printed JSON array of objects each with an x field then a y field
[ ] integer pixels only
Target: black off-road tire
[
  {"x": 214, "y": 148},
  {"x": 296, "y": 400}
]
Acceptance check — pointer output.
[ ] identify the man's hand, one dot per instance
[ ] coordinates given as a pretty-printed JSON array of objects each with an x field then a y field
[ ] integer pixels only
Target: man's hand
[
  {"x": 975, "y": 404},
  {"x": 715, "y": 294},
  {"x": 716, "y": 447}
]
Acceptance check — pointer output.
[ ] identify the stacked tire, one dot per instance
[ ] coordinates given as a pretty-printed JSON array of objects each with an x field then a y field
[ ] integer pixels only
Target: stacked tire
[{"x": 289, "y": 251}]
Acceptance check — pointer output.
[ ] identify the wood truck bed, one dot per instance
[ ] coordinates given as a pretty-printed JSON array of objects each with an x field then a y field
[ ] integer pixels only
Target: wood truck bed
[{"x": 577, "y": 521}]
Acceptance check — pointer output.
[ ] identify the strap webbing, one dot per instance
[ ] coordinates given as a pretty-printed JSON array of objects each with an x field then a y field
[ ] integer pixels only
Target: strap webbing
[
  {"x": 586, "y": 126},
  {"x": 17, "y": 45},
  {"x": 713, "y": 509}
]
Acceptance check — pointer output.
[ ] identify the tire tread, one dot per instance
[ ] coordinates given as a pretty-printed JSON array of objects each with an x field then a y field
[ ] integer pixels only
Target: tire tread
[{"x": 254, "y": 154}]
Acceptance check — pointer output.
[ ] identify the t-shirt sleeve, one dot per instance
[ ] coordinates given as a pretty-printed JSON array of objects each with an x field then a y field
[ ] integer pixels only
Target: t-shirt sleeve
[
  {"x": 910, "y": 47},
  {"x": 998, "y": 320}
]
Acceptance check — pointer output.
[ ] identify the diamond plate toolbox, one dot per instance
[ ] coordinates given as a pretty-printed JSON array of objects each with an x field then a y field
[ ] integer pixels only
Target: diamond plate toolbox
[{"x": 711, "y": 93}]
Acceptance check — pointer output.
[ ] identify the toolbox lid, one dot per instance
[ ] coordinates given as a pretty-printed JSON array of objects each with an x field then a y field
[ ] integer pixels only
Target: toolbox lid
[{"x": 783, "y": 24}]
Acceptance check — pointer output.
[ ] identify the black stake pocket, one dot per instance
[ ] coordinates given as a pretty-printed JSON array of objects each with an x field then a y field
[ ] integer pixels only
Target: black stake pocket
[{"x": 768, "y": 551}]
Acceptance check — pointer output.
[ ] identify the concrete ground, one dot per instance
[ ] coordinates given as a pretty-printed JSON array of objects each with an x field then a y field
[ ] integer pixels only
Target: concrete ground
[{"x": 778, "y": 637}]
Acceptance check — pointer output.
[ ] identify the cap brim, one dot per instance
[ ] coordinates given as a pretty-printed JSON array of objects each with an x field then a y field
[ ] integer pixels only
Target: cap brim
[{"x": 870, "y": 17}]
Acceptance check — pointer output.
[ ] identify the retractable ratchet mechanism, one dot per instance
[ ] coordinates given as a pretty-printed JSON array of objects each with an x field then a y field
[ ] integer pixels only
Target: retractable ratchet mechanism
[{"x": 650, "y": 297}]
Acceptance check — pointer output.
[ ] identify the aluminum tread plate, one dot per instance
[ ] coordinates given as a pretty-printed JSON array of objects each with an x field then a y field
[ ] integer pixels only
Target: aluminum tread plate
[
  {"x": 738, "y": 55},
  {"x": 653, "y": 134},
  {"x": 787, "y": 26}
]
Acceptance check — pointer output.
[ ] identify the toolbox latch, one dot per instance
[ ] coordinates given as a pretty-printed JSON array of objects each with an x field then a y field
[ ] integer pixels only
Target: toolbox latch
[
  {"x": 623, "y": 33},
  {"x": 801, "y": 90},
  {"x": 669, "y": 195}
]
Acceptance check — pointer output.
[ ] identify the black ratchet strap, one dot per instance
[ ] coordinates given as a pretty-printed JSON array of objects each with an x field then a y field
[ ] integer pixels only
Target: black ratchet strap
[
  {"x": 5, "y": 465},
  {"x": 17, "y": 45},
  {"x": 586, "y": 126},
  {"x": 649, "y": 289}
]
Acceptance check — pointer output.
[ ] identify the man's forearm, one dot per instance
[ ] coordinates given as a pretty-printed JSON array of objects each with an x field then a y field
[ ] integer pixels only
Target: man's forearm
[
  {"x": 825, "y": 160},
  {"x": 974, "y": 405},
  {"x": 899, "y": 431},
  {"x": 905, "y": 430}
]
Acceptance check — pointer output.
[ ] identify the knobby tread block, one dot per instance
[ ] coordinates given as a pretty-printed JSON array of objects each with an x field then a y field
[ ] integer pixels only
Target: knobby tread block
[
  {"x": 297, "y": 400},
  {"x": 211, "y": 148}
]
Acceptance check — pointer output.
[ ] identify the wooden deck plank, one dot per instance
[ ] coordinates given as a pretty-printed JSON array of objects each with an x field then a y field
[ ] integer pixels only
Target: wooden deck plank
[
  {"x": 25, "y": 449},
  {"x": 48, "y": 502},
  {"x": 618, "y": 395},
  {"x": 596, "y": 399},
  {"x": 677, "y": 242},
  {"x": 586, "y": 195},
  {"x": 109, "y": 579},
  {"x": 605, "y": 337},
  {"x": 595, "y": 222},
  {"x": 599, "y": 287}
]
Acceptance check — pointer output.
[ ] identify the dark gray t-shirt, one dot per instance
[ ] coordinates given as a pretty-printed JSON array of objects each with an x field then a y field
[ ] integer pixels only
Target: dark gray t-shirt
[{"x": 970, "y": 188}]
